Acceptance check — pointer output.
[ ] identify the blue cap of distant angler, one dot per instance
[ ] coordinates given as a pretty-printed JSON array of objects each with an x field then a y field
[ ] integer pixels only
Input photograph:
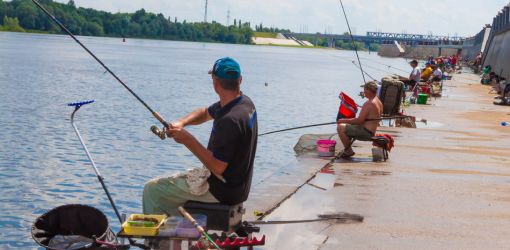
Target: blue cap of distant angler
[{"x": 226, "y": 68}]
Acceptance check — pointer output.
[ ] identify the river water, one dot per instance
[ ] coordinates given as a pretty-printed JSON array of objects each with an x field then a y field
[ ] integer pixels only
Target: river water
[{"x": 42, "y": 164}]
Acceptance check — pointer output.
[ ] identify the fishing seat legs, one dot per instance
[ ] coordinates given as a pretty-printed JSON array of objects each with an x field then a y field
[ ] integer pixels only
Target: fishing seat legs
[
  {"x": 381, "y": 142},
  {"x": 377, "y": 141}
]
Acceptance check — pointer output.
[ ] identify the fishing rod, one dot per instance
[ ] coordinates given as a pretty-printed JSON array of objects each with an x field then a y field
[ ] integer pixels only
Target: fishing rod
[
  {"x": 65, "y": 30},
  {"x": 337, "y": 217},
  {"x": 353, "y": 43},
  {"x": 332, "y": 123},
  {"x": 200, "y": 229}
]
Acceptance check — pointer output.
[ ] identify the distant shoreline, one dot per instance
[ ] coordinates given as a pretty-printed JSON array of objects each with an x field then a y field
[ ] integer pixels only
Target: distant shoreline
[{"x": 156, "y": 39}]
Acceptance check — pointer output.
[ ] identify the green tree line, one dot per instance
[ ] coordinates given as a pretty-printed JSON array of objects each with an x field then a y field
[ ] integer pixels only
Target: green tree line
[
  {"x": 23, "y": 15},
  {"x": 20, "y": 15},
  {"x": 261, "y": 28}
]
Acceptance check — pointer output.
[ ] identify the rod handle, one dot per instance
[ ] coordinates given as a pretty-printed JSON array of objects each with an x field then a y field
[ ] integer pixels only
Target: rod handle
[
  {"x": 193, "y": 221},
  {"x": 160, "y": 119}
]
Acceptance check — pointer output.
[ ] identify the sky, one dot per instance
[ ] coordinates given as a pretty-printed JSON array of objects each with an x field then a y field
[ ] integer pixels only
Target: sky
[{"x": 439, "y": 17}]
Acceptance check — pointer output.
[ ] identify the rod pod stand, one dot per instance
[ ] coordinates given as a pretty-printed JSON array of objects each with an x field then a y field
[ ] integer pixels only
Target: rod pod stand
[{"x": 77, "y": 106}]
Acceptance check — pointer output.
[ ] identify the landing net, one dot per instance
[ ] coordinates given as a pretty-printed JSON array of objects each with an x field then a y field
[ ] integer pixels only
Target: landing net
[{"x": 307, "y": 143}]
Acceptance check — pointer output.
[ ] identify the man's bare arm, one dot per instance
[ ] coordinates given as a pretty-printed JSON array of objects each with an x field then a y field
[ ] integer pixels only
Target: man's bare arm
[
  {"x": 182, "y": 136},
  {"x": 207, "y": 158},
  {"x": 196, "y": 117}
]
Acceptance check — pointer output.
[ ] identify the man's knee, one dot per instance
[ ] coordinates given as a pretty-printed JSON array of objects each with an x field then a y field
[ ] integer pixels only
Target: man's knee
[
  {"x": 149, "y": 186},
  {"x": 340, "y": 128}
]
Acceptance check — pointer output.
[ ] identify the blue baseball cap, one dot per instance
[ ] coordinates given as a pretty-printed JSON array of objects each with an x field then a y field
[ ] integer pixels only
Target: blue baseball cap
[{"x": 226, "y": 68}]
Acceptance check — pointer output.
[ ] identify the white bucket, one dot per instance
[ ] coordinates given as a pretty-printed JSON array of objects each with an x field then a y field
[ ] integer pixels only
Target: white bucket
[{"x": 377, "y": 154}]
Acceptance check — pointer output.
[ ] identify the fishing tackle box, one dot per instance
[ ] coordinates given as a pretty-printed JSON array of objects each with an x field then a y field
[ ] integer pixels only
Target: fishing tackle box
[{"x": 219, "y": 216}]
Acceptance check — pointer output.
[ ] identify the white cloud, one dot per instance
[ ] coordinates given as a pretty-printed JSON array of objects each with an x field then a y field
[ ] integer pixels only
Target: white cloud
[{"x": 437, "y": 16}]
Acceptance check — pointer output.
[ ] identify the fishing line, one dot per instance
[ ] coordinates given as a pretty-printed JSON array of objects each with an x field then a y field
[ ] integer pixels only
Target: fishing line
[
  {"x": 65, "y": 30},
  {"x": 353, "y": 43},
  {"x": 387, "y": 65},
  {"x": 378, "y": 69},
  {"x": 368, "y": 66},
  {"x": 354, "y": 62},
  {"x": 356, "y": 65}
]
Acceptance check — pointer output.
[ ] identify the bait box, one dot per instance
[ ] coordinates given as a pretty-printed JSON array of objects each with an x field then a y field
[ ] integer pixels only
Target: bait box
[
  {"x": 169, "y": 227},
  {"x": 143, "y": 231}
]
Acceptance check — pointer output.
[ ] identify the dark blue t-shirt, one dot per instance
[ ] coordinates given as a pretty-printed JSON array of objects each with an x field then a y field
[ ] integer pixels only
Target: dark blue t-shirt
[{"x": 234, "y": 141}]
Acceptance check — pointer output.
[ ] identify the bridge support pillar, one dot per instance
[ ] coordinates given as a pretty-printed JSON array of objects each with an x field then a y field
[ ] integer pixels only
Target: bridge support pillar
[{"x": 331, "y": 42}]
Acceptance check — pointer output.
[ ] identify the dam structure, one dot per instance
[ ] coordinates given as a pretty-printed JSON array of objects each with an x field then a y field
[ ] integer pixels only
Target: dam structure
[
  {"x": 496, "y": 50},
  {"x": 474, "y": 45}
]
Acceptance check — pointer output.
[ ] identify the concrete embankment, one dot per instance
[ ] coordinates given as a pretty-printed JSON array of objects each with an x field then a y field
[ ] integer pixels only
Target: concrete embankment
[
  {"x": 416, "y": 52},
  {"x": 498, "y": 54},
  {"x": 472, "y": 46},
  {"x": 281, "y": 40},
  {"x": 494, "y": 43},
  {"x": 445, "y": 186},
  {"x": 497, "y": 50}
]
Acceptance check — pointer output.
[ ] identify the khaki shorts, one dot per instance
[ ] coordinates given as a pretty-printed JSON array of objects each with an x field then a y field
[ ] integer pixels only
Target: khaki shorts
[
  {"x": 164, "y": 195},
  {"x": 358, "y": 132}
]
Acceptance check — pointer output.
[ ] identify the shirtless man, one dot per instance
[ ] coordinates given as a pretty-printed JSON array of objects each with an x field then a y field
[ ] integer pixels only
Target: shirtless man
[{"x": 364, "y": 126}]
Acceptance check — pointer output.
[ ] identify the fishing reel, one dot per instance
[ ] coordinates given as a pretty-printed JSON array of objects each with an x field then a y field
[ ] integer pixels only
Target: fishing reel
[{"x": 161, "y": 133}]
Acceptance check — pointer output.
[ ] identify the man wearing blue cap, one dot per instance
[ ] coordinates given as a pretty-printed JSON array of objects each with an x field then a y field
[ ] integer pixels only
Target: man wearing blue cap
[{"x": 227, "y": 159}]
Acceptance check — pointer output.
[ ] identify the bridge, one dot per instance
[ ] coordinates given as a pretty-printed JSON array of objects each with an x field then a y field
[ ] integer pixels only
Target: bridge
[{"x": 388, "y": 38}]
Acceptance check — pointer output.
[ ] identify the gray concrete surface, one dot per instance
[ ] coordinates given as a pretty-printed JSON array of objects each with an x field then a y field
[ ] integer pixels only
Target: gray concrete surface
[{"x": 445, "y": 186}]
